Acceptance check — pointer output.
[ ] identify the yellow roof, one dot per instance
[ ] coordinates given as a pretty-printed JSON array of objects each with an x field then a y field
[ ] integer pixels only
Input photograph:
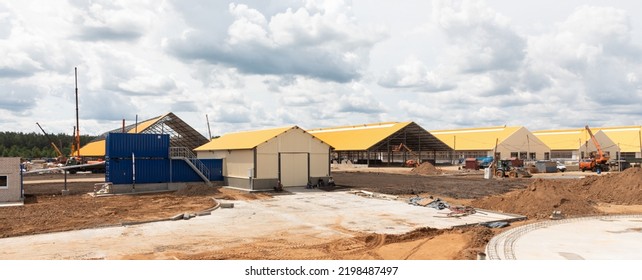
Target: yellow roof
[
  {"x": 93, "y": 149},
  {"x": 563, "y": 139},
  {"x": 481, "y": 138},
  {"x": 243, "y": 140},
  {"x": 97, "y": 148},
  {"x": 357, "y": 137},
  {"x": 144, "y": 125},
  {"x": 626, "y": 137}
]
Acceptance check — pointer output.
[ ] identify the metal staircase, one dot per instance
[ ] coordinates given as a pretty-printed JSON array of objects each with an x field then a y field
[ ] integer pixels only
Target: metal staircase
[{"x": 190, "y": 158}]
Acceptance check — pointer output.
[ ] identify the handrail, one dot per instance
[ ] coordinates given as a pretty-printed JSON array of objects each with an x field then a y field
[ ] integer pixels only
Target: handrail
[{"x": 188, "y": 155}]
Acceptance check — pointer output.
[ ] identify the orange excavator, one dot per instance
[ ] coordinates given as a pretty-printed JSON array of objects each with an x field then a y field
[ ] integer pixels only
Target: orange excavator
[
  {"x": 595, "y": 162},
  {"x": 410, "y": 162}
]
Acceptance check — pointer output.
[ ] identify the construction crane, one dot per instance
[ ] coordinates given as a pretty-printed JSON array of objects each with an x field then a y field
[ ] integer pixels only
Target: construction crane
[
  {"x": 61, "y": 158},
  {"x": 77, "y": 132},
  {"x": 595, "y": 162}
]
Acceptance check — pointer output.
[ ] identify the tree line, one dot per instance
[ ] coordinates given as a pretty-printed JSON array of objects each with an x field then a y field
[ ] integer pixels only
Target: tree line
[{"x": 36, "y": 145}]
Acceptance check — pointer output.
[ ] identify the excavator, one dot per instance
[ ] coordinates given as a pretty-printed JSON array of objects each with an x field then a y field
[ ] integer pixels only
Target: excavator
[
  {"x": 410, "y": 162},
  {"x": 597, "y": 162},
  {"x": 61, "y": 158}
]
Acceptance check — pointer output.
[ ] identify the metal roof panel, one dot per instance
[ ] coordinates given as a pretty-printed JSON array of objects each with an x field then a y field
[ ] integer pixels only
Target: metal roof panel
[
  {"x": 480, "y": 138},
  {"x": 357, "y": 137},
  {"x": 243, "y": 140}
]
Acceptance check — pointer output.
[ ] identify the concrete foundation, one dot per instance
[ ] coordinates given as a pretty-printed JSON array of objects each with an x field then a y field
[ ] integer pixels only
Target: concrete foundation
[
  {"x": 586, "y": 238},
  {"x": 263, "y": 184},
  {"x": 127, "y": 188}
]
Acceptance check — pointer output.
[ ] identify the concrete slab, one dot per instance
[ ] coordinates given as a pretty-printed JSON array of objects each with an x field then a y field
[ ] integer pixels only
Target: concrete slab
[
  {"x": 588, "y": 238},
  {"x": 309, "y": 214}
]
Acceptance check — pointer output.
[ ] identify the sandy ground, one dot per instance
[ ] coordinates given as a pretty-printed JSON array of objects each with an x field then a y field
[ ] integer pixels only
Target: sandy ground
[{"x": 45, "y": 210}]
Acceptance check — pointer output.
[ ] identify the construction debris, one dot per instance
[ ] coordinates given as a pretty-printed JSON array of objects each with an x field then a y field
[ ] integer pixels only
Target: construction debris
[
  {"x": 460, "y": 211},
  {"x": 498, "y": 224},
  {"x": 556, "y": 215},
  {"x": 374, "y": 195},
  {"x": 429, "y": 202},
  {"x": 102, "y": 188}
]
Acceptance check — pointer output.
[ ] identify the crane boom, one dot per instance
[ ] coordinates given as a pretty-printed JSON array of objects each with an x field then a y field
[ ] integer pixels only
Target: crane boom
[
  {"x": 77, "y": 132},
  {"x": 60, "y": 156},
  {"x": 597, "y": 144}
]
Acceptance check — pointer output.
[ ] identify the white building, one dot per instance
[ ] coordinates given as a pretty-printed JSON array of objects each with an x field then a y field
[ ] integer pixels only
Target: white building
[{"x": 10, "y": 180}]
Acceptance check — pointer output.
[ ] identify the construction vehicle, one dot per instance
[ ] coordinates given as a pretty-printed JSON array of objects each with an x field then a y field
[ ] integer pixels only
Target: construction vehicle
[
  {"x": 61, "y": 158},
  {"x": 595, "y": 162},
  {"x": 506, "y": 168},
  {"x": 484, "y": 162},
  {"x": 411, "y": 162}
]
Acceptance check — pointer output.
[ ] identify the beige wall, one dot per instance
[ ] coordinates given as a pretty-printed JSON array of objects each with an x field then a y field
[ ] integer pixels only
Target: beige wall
[
  {"x": 293, "y": 141},
  {"x": 522, "y": 141},
  {"x": 605, "y": 142},
  {"x": 10, "y": 169}
]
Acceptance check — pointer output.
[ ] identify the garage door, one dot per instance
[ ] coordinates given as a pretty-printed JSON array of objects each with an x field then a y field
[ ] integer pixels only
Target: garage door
[{"x": 294, "y": 169}]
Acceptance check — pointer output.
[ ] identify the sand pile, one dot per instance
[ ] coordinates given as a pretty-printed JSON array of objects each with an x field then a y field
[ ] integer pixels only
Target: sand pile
[
  {"x": 426, "y": 168},
  {"x": 572, "y": 197}
]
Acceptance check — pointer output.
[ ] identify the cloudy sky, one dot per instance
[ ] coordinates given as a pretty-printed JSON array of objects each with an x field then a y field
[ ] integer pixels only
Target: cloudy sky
[{"x": 258, "y": 64}]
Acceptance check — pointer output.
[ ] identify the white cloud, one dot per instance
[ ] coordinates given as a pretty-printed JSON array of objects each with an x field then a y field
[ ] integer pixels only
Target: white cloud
[
  {"x": 593, "y": 47},
  {"x": 112, "y": 20},
  {"x": 481, "y": 39},
  {"x": 253, "y": 64},
  {"x": 415, "y": 74},
  {"x": 321, "y": 43}
]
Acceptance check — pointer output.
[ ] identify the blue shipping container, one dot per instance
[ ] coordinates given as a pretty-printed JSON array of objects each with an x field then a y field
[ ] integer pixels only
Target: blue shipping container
[
  {"x": 122, "y": 145},
  {"x": 182, "y": 172},
  {"x": 121, "y": 171}
]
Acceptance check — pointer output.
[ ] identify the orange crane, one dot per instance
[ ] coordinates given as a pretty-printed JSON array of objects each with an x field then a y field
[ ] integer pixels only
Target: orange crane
[{"x": 595, "y": 162}]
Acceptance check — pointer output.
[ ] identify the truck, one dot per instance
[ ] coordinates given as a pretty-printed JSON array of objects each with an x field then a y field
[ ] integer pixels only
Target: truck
[{"x": 596, "y": 162}]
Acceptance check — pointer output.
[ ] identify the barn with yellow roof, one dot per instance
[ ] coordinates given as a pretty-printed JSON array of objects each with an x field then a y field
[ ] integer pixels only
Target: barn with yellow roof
[
  {"x": 260, "y": 159},
  {"x": 575, "y": 144},
  {"x": 381, "y": 143},
  {"x": 619, "y": 142},
  {"x": 181, "y": 134},
  {"x": 505, "y": 141}
]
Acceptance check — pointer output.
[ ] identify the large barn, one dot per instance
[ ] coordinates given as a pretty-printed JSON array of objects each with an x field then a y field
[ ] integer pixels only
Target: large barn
[
  {"x": 260, "y": 159},
  {"x": 381, "y": 143},
  {"x": 505, "y": 141},
  {"x": 575, "y": 144}
]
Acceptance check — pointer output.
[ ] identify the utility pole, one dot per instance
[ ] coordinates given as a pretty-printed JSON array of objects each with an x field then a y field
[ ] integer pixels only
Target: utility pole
[{"x": 208, "y": 127}]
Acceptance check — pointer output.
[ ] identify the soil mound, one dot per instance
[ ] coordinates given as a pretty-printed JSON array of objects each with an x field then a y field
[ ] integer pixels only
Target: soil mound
[
  {"x": 426, "y": 168},
  {"x": 571, "y": 197},
  {"x": 197, "y": 190}
]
